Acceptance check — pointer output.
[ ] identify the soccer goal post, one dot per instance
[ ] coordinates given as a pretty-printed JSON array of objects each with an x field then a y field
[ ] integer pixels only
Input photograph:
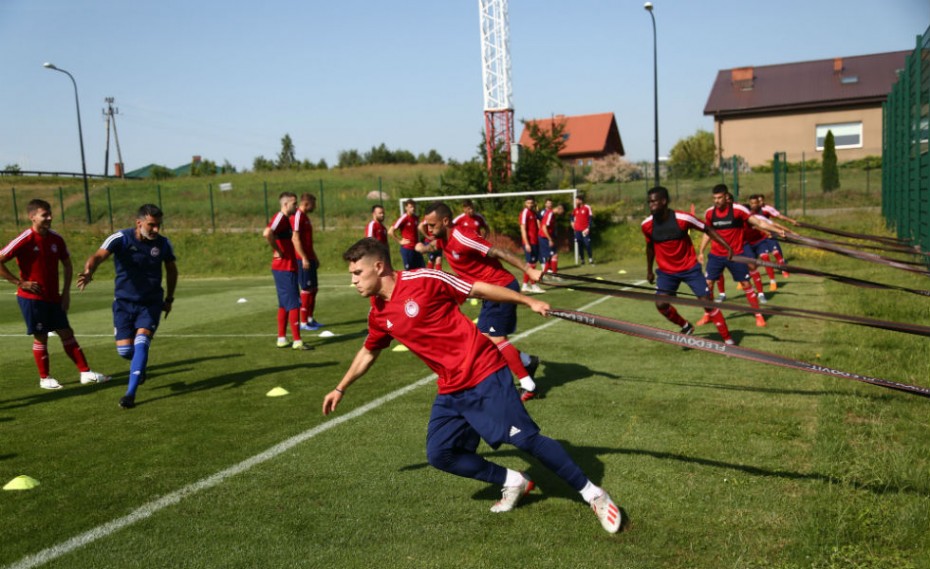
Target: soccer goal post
[{"x": 483, "y": 196}]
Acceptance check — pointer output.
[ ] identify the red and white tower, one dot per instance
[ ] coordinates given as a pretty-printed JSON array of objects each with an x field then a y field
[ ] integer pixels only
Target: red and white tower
[{"x": 498, "y": 103}]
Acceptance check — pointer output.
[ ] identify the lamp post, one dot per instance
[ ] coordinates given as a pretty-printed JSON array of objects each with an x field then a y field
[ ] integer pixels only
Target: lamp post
[
  {"x": 77, "y": 104},
  {"x": 655, "y": 87}
]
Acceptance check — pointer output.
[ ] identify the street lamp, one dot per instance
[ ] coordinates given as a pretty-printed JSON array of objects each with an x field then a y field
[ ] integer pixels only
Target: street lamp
[
  {"x": 655, "y": 86},
  {"x": 77, "y": 104}
]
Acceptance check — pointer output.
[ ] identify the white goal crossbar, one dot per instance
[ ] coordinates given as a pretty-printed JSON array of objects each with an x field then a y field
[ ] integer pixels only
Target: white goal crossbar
[{"x": 572, "y": 191}]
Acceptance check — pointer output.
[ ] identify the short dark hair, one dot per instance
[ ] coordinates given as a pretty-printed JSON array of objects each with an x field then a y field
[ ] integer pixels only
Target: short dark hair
[
  {"x": 307, "y": 197},
  {"x": 287, "y": 195},
  {"x": 37, "y": 204},
  {"x": 368, "y": 247},
  {"x": 661, "y": 191},
  {"x": 467, "y": 203},
  {"x": 149, "y": 210},
  {"x": 720, "y": 189},
  {"x": 410, "y": 201},
  {"x": 440, "y": 208},
  {"x": 376, "y": 206}
]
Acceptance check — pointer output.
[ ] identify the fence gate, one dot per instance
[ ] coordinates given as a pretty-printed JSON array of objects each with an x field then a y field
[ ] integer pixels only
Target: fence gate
[{"x": 780, "y": 176}]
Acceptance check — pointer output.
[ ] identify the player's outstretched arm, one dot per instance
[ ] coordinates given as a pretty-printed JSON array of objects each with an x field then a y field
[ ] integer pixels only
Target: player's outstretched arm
[
  {"x": 511, "y": 259},
  {"x": 486, "y": 291},
  {"x": 767, "y": 225},
  {"x": 90, "y": 267},
  {"x": 362, "y": 362}
]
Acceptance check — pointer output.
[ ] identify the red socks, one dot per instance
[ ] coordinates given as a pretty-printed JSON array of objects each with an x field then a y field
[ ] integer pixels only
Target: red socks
[
  {"x": 512, "y": 357},
  {"x": 673, "y": 316},
  {"x": 40, "y": 353},
  {"x": 76, "y": 354}
]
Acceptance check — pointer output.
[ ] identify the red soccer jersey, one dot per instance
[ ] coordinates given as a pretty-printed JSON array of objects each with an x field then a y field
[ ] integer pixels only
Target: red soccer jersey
[
  {"x": 474, "y": 222},
  {"x": 38, "y": 257},
  {"x": 752, "y": 235},
  {"x": 281, "y": 228},
  {"x": 408, "y": 229},
  {"x": 528, "y": 218},
  {"x": 423, "y": 314},
  {"x": 548, "y": 221},
  {"x": 769, "y": 211},
  {"x": 467, "y": 255},
  {"x": 304, "y": 229},
  {"x": 730, "y": 223},
  {"x": 376, "y": 230},
  {"x": 671, "y": 242},
  {"x": 581, "y": 218}
]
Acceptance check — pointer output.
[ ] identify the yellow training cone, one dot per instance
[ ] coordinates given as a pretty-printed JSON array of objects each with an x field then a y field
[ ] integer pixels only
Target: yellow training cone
[
  {"x": 600, "y": 278},
  {"x": 400, "y": 348},
  {"x": 278, "y": 392},
  {"x": 621, "y": 272},
  {"x": 474, "y": 302},
  {"x": 21, "y": 482}
]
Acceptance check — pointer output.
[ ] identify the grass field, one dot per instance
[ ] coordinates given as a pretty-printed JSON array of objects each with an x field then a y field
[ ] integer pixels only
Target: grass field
[{"x": 719, "y": 462}]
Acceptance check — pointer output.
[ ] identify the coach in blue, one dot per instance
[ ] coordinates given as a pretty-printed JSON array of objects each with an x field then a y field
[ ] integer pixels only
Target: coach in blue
[{"x": 138, "y": 254}]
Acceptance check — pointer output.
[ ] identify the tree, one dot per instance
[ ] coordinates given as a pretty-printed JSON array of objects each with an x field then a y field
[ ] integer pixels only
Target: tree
[
  {"x": 287, "y": 158},
  {"x": 12, "y": 169},
  {"x": 262, "y": 164},
  {"x": 203, "y": 168},
  {"x": 693, "y": 157},
  {"x": 159, "y": 172},
  {"x": 830, "y": 174},
  {"x": 348, "y": 158},
  {"x": 535, "y": 163},
  {"x": 612, "y": 168}
]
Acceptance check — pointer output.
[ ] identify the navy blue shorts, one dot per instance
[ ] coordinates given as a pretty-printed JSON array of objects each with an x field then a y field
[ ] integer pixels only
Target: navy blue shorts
[
  {"x": 764, "y": 246},
  {"x": 545, "y": 250},
  {"x": 411, "y": 259},
  {"x": 667, "y": 283},
  {"x": 491, "y": 410},
  {"x": 499, "y": 319},
  {"x": 42, "y": 317},
  {"x": 285, "y": 283},
  {"x": 532, "y": 255},
  {"x": 130, "y": 316},
  {"x": 306, "y": 278},
  {"x": 739, "y": 271}
]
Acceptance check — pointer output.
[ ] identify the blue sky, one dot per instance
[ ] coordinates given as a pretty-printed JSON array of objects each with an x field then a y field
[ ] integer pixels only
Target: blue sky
[{"x": 226, "y": 80}]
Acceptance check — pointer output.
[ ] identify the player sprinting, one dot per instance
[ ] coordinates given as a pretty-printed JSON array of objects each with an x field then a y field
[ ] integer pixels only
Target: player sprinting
[
  {"x": 669, "y": 245},
  {"x": 476, "y": 398},
  {"x": 138, "y": 255},
  {"x": 529, "y": 234},
  {"x": 473, "y": 259},
  {"x": 279, "y": 234},
  {"x": 306, "y": 261},
  {"x": 38, "y": 251}
]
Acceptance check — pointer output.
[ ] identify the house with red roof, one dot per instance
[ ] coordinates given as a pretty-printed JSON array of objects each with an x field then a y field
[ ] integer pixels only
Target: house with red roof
[
  {"x": 587, "y": 137},
  {"x": 790, "y": 107}
]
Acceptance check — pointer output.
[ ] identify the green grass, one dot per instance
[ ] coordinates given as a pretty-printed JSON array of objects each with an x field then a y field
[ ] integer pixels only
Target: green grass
[{"x": 719, "y": 462}]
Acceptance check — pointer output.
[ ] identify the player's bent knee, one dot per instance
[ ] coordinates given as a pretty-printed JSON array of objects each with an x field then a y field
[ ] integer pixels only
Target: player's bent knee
[
  {"x": 442, "y": 459},
  {"x": 125, "y": 352}
]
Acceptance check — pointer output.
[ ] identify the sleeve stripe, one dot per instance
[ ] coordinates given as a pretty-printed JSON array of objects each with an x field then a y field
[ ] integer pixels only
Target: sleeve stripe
[
  {"x": 689, "y": 218},
  {"x": 6, "y": 250},
  {"x": 399, "y": 221},
  {"x": 277, "y": 219},
  {"x": 456, "y": 282},
  {"x": 470, "y": 243},
  {"x": 110, "y": 239}
]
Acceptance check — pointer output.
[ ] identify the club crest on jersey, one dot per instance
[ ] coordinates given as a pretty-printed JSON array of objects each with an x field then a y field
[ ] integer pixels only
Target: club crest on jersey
[
  {"x": 155, "y": 251},
  {"x": 455, "y": 255},
  {"x": 411, "y": 308}
]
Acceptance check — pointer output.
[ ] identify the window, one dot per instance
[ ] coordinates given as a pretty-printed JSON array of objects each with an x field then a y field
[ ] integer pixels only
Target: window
[{"x": 845, "y": 135}]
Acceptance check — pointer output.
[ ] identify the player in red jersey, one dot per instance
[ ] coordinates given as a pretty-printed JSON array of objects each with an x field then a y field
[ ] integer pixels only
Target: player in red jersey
[
  {"x": 471, "y": 219},
  {"x": 406, "y": 232},
  {"x": 476, "y": 399},
  {"x": 669, "y": 245},
  {"x": 38, "y": 251},
  {"x": 582, "y": 223},
  {"x": 307, "y": 262},
  {"x": 729, "y": 220},
  {"x": 771, "y": 213},
  {"x": 375, "y": 228},
  {"x": 279, "y": 235},
  {"x": 548, "y": 247},
  {"x": 474, "y": 259},
  {"x": 529, "y": 234}
]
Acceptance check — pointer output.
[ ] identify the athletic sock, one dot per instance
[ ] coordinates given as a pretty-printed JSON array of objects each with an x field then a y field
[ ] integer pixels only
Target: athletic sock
[
  {"x": 40, "y": 353},
  {"x": 756, "y": 279},
  {"x": 672, "y": 315},
  {"x": 304, "y": 303},
  {"x": 125, "y": 351},
  {"x": 512, "y": 357},
  {"x": 525, "y": 359},
  {"x": 554, "y": 264},
  {"x": 282, "y": 322},
  {"x": 514, "y": 478},
  {"x": 752, "y": 297},
  {"x": 292, "y": 316},
  {"x": 76, "y": 354},
  {"x": 720, "y": 286},
  {"x": 768, "y": 270},
  {"x": 140, "y": 360},
  {"x": 720, "y": 322},
  {"x": 590, "y": 491}
]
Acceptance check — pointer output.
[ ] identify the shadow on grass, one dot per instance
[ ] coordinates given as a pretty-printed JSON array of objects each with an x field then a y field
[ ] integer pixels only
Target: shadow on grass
[
  {"x": 556, "y": 374},
  {"x": 8, "y": 456},
  {"x": 773, "y": 390},
  {"x": 229, "y": 381},
  {"x": 118, "y": 382}
]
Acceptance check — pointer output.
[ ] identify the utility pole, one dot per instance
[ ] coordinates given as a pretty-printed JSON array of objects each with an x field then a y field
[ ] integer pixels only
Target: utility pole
[{"x": 110, "y": 112}]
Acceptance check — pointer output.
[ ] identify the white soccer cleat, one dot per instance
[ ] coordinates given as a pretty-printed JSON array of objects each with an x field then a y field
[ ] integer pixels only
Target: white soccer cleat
[
  {"x": 762, "y": 299},
  {"x": 283, "y": 343},
  {"x": 536, "y": 289},
  {"x": 610, "y": 516},
  {"x": 91, "y": 376},
  {"x": 510, "y": 495},
  {"x": 722, "y": 297},
  {"x": 525, "y": 288},
  {"x": 49, "y": 383}
]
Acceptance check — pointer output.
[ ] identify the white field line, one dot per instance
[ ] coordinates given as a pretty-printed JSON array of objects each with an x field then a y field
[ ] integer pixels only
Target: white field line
[{"x": 150, "y": 508}]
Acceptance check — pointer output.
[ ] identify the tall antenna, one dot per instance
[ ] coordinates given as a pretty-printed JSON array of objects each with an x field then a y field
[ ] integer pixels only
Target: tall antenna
[
  {"x": 110, "y": 112},
  {"x": 498, "y": 103}
]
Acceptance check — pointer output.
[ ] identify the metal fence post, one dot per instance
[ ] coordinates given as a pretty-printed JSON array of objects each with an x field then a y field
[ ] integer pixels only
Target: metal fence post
[
  {"x": 158, "y": 186},
  {"x": 323, "y": 206},
  {"x": 15, "y": 209},
  {"x": 212, "y": 215},
  {"x": 61, "y": 204},
  {"x": 110, "y": 208},
  {"x": 267, "y": 212}
]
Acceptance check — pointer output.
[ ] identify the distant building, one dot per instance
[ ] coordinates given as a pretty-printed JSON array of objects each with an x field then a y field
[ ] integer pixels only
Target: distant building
[
  {"x": 790, "y": 107},
  {"x": 587, "y": 137}
]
